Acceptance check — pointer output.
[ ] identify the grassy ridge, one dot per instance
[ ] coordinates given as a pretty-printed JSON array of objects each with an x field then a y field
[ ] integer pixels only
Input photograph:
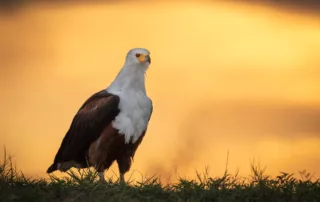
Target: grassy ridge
[{"x": 83, "y": 186}]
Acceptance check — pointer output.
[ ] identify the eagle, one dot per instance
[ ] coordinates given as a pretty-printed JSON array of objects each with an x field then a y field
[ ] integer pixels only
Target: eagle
[{"x": 111, "y": 124}]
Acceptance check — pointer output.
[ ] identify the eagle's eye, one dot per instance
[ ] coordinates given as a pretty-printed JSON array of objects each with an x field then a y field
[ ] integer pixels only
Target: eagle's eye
[{"x": 137, "y": 55}]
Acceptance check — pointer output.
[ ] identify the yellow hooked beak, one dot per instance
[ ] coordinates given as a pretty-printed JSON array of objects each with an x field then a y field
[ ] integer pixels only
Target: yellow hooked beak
[{"x": 144, "y": 58}]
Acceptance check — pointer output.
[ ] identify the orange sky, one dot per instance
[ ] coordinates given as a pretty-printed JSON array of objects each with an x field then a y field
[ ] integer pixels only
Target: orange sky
[{"x": 224, "y": 77}]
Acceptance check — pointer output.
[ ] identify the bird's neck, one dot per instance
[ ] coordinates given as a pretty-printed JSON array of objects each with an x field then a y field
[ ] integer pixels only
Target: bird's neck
[{"x": 129, "y": 79}]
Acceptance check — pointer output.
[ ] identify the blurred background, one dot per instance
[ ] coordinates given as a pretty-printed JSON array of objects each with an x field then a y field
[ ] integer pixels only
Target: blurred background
[{"x": 237, "y": 77}]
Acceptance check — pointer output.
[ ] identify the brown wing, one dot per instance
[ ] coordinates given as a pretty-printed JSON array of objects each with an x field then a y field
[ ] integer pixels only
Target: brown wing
[{"x": 93, "y": 116}]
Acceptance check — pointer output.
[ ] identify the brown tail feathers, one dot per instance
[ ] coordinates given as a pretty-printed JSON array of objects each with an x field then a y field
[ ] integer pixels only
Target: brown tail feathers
[{"x": 52, "y": 168}]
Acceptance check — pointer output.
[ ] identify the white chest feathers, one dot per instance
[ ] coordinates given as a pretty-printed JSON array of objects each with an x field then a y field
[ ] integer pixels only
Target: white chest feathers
[{"x": 135, "y": 110}]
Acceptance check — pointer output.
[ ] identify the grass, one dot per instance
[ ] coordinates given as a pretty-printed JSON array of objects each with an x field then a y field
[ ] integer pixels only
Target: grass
[{"x": 83, "y": 186}]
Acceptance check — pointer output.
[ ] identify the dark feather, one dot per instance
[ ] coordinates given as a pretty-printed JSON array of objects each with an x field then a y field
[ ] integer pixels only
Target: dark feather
[{"x": 94, "y": 115}]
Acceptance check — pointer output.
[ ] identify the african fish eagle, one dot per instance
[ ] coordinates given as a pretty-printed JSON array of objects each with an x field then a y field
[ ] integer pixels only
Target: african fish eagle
[{"x": 111, "y": 124}]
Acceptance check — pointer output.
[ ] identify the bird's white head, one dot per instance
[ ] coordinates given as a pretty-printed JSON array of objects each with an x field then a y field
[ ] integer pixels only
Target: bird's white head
[
  {"x": 138, "y": 57},
  {"x": 132, "y": 74}
]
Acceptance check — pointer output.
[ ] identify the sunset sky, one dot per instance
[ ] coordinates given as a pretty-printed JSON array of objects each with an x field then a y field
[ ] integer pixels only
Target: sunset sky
[{"x": 225, "y": 77}]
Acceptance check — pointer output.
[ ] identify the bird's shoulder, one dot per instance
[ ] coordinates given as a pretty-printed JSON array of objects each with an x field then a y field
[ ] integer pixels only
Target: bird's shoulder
[{"x": 98, "y": 100}]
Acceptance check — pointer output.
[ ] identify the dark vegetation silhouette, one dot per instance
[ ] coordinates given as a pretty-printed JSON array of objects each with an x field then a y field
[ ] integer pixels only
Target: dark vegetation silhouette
[{"x": 83, "y": 185}]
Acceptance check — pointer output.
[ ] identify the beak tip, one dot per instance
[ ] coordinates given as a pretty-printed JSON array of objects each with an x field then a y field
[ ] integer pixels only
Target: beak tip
[{"x": 149, "y": 60}]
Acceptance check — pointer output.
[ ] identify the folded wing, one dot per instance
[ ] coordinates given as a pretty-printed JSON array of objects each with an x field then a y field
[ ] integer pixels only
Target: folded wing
[{"x": 86, "y": 127}]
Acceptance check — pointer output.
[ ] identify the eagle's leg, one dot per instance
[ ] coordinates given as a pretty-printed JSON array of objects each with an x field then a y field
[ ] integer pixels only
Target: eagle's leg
[
  {"x": 122, "y": 181},
  {"x": 124, "y": 165},
  {"x": 101, "y": 177},
  {"x": 100, "y": 170}
]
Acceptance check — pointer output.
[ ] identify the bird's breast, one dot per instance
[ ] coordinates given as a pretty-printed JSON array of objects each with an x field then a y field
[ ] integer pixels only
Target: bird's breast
[{"x": 135, "y": 110}]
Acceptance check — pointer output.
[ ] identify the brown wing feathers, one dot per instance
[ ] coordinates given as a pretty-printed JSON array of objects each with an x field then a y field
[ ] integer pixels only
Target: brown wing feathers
[{"x": 93, "y": 116}]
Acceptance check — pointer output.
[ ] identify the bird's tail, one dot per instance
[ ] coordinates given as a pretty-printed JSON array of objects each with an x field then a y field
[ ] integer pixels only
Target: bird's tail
[{"x": 52, "y": 168}]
